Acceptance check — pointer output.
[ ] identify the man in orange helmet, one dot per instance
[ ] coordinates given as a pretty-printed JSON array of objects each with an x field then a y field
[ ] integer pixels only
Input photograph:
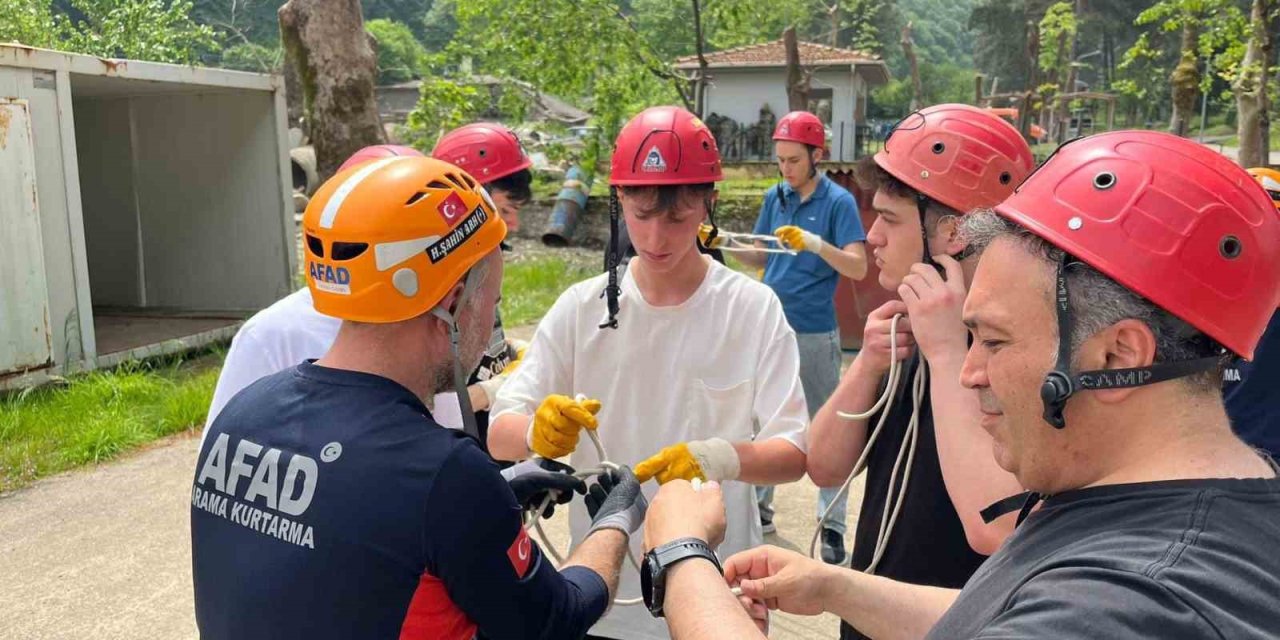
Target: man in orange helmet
[
  {"x": 291, "y": 331},
  {"x": 329, "y": 503},
  {"x": 693, "y": 364},
  {"x": 1109, "y": 286}
]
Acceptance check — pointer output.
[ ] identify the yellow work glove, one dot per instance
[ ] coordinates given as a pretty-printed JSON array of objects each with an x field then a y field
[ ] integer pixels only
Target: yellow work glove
[
  {"x": 713, "y": 459},
  {"x": 553, "y": 432},
  {"x": 704, "y": 232},
  {"x": 797, "y": 239}
]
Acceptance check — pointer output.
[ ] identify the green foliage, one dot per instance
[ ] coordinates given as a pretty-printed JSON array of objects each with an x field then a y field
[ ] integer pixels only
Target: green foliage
[
  {"x": 439, "y": 25},
  {"x": 30, "y": 22},
  {"x": 442, "y": 105},
  {"x": 400, "y": 56},
  {"x": 1058, "y": 25},
  {"x": 940, "y": 33},
  {"x": 939, "y": 82},
  {"x": 138, "y": 30},
  {"x": 152, "y": 30},
  {"x": 531, "y": 284},
  {"x": 99, "y": 415},
  {"x": 248, "y": 56}
]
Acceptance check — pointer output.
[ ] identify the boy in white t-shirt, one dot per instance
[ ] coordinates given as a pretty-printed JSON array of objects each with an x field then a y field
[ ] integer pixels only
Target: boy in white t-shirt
[{"x": 694, "y": 366}]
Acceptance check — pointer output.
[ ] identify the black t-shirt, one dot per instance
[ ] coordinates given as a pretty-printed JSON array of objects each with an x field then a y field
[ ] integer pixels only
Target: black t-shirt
[
  {"x": 1175, "y": 559},
  {"x": 927, "y": 544}
]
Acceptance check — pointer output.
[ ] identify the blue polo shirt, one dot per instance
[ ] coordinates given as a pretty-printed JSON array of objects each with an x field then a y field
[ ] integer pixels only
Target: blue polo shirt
[
  {"x": 805, "y": 283},
  {"x": 1250, "y": 392}
]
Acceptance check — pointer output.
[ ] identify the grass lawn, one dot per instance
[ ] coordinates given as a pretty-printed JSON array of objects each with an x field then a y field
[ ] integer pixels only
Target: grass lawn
[
  {"x": 531, "y": 283},
  {"x": 98, "y": 415}
]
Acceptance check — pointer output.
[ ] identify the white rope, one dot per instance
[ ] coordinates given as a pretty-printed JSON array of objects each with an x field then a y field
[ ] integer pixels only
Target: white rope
[
  {"x": 533, "y": 517},
  {"x": 744, "y": 242},
  {"x": 889, "y": 517}
]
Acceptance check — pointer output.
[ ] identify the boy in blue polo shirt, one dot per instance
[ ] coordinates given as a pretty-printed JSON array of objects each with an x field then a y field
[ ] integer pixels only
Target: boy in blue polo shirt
[{"x": 819, "y": 219}]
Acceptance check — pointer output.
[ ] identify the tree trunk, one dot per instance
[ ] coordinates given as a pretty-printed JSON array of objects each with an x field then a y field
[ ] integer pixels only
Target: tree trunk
[
  {"x": 797, "y": 81},
  {"x": 1185, "y": 81},
  {"x": 909, "y": 51},
  {"x": 337, "y": 68},
  {"x": 1033, "y": 80},
  {"x": 833, "y": 14},
  {"x": 1250, "y": 89},
  {"x": 700, "y": 83}
]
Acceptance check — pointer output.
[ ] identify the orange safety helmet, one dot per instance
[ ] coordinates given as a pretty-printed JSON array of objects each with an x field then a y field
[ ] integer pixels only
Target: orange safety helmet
[
  {"x": 377, "y": 151},
  {"x": 489, "y": 151},
  {"x": 386, "y": 240},
  {"x": 1270, "y": 180}
]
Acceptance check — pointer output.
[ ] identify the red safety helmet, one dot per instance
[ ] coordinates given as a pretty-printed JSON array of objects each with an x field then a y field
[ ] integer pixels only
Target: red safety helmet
[
  {"x": 1174, "y": 222},
  {"x": 664, "y": 145},
  {"x": 802, "y": 127},
  {"x": 486, "y": 150},
  {"x": 377, "y": 151},
  {"x": 961, "y": 156}
]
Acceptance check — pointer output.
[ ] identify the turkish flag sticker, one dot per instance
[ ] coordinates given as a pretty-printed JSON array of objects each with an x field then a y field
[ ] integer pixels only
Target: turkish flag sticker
[
  {"x": 452, "y": 208},
  {"x": 520, "y": 553}
]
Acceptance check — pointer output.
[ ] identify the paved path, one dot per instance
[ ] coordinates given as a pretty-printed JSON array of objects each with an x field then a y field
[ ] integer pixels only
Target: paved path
[{"x": 104, "y": 552}]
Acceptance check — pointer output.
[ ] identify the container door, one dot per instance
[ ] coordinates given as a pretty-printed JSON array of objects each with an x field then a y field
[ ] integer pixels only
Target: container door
[{"x": 24, "y": 299}]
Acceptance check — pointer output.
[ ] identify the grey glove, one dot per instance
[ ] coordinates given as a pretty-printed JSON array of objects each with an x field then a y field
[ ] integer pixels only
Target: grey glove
[
  {"x": 533, "y": 480},
  {"x": 616, "y": 502}
]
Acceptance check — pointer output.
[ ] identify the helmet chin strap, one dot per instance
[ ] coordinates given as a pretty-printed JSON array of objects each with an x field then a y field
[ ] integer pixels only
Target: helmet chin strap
[
  {"x": 469, "y": 285},
  {"x": 1060, "y": 384}
]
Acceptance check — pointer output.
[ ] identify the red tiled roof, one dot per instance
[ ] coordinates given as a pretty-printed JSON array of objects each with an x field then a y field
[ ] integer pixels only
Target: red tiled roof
[{"x": 774, "y": 54}]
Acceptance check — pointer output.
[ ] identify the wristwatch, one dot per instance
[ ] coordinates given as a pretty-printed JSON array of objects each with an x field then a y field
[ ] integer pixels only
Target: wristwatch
[{"x": 653, "y": 573}]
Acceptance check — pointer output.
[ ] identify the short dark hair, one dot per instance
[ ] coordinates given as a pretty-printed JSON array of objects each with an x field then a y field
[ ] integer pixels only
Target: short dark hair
[
  {"x": 662, "y": 199},
  {"x": 516, "y": 186},
  {"x": 873, "y": 177}
]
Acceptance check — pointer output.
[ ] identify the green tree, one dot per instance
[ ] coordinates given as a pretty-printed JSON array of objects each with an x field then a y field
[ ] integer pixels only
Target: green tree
[
  {"x": 939, "y": 82},
  {"x": 137, "y": 29},
  {"x": 400, "y": 56},
  {"x": 248, "y": 56}
]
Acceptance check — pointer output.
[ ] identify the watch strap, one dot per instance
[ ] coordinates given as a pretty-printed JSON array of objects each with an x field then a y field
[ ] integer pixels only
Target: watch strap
[{"x": 660, "y": 559}]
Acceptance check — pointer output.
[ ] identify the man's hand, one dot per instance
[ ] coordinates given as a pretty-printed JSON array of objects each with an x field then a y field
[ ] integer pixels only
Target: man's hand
[
  {"x": 875, "y": 337},
  {"x": 553, "y": 433},
  {"x": 713, "y": 459},
  {"x": 532, "y": 481},
  {"x": 934, "y": 305},
  {"x": 678, "y": 511},
  {"x": 782, "y": 579},
  {"x": 615, "y": 502},
  {"x": 797, "y": 239},
  {"x": 704, "y": 237}
]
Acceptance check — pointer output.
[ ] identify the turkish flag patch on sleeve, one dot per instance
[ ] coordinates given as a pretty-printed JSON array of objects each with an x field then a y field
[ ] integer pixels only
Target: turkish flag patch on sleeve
[{"x": 520, "y": 553}]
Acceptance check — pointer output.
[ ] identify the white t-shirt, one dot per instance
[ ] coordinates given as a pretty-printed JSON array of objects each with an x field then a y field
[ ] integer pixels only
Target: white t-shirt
[
  {"x": 722, "y": 364},
  {"x": 281, "y": 336}
]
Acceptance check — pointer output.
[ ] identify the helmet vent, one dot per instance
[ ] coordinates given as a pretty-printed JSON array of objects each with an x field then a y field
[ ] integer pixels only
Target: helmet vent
[
  {"x": 1230, "y": 247},
  {"x": 938, "y": 147},
  {"x": 348, "y": 250},
  {"x": 470, "y": 183},
  {"x": 415, "y": 198},
  {"x": 315, "y": 245},
  {"x": 439, "y": 184},
  {"x": 1005, "y": 177},
  {"x": 1104, "y": 180}
]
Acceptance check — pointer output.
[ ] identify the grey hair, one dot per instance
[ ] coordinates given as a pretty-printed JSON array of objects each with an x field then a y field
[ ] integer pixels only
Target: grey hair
[{"x": 1097, "y": 302}]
